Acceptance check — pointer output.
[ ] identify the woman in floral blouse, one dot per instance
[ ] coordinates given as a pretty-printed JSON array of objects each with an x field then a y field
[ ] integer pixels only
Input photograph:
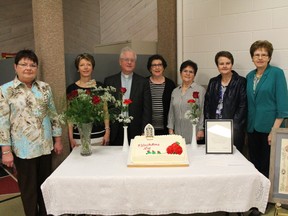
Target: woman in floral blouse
[
  {"x": 29, "y": 123},
  {"x": 177, "y": 122}
]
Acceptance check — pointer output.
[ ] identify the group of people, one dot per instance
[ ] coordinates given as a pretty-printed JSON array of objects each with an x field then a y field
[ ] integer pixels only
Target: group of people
[{"x": 30, "y": 129}]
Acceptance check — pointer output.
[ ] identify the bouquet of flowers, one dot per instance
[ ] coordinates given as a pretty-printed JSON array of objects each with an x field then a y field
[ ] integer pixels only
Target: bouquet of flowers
[
  {"x": 194, "y": 113},
  {"x": 86, "y": 106},
  {"x": 124, "y": 107}
]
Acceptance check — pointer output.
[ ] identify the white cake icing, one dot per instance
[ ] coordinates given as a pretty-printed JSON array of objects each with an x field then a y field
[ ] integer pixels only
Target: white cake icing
[{"x": 167, "y": 150}]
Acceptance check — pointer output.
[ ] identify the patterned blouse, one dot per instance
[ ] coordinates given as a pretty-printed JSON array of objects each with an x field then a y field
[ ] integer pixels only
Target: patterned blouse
[{"x": 28, "y": 118}]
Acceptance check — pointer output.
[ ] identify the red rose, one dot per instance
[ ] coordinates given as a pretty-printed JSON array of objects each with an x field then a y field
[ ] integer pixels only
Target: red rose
[
  {"x": 96, "y": 99},
  {"x": 127, "y": 101},
  {"x": 123, "y": 90},
  {"x": 72, "y": 95},
  {"x": 195, "y": 94},
  {"x": 191, "y": 101}
]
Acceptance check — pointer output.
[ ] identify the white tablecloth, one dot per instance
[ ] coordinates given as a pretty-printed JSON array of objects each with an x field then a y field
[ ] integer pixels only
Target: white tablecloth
[{"x": 103, "y": 184}]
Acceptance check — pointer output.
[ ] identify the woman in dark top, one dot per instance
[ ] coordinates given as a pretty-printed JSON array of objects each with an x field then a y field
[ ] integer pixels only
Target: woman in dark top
[
  {"x": 161, "y": 88},
  {"x": 100, "y": 135},
  {"x": 225, "y": 97}
]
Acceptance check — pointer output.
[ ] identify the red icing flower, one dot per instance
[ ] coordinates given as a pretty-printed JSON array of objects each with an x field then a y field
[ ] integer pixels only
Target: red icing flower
[
  {"x": 127, "y": 101},
  {"x": 191, "y": 101},
  {"x": 72, "y": 95},
  {"x": 123, "y": 90},
  {"x": 174, "y": 148},
  {"x": 96, "y": 99},
  {"x": 195, "y": 94}
]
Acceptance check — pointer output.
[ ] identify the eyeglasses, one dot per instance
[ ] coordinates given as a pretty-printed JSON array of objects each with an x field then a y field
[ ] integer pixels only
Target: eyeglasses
[
  {"x": 156, "y": 65},
  {"x": 24, "y": 65},
  {"x": 128, "y": 60},
  {"x": 258, "y": 56},
  {"x": 188, "y": 71}
]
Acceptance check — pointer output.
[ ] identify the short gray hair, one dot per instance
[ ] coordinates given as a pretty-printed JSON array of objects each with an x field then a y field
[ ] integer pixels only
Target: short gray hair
[{"x": 127, "y": 49}]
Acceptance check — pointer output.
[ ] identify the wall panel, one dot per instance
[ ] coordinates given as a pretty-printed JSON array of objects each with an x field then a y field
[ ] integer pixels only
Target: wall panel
[
  {"x": 128, "y": 20},
  {"x": 16, "y": 25}
]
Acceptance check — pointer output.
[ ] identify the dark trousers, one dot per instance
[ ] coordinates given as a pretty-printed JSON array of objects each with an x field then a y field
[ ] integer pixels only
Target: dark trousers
[
  {"x": 117, "y": 135},
  {"x": 239, "y": 139},
  {"x": 259, "y": 151},
  {"x": 31, "y": 173}
]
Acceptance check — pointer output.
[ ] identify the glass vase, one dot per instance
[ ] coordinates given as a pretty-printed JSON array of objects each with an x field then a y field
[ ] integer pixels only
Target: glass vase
[{"x": 85, "y": 136}]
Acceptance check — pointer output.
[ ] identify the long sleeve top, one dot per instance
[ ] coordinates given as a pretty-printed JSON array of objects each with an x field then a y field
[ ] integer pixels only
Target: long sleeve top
[
  {"x": 28, "y": 118},
  {"x": 269, "y": 100},
  {"x": 178, "y": 107},
  {"x": 234, "y": 100}
]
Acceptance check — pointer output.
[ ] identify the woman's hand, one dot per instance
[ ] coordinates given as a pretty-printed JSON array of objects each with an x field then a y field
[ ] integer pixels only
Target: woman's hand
[
  {"x": 200, "y": 135},
  {"x": 73, "y": 143},
  {"x": 270, "y": 138},
  {"x": 8, "y": 159},
  {"x": 58, "y": 147},
  {"x": 106, "y": 138}
]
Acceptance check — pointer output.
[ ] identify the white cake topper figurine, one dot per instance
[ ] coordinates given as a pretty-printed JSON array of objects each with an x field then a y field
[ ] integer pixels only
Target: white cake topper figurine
[{"x": 149, "y": 131}]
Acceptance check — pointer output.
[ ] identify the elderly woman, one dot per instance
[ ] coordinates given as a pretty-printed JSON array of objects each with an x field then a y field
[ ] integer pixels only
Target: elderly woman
[
  {"x": 225, "y": 97},
  {"x": 161, "y": 88},
  {"x": 100, "y": 134},
  {"x": 29, "y": 123},
  {"x": 177, "y": 123},
  {"x": 267, "y": 104}
]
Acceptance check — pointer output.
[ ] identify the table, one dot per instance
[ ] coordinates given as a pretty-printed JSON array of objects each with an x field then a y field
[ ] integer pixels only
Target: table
[{"x": 103, "y": 184}]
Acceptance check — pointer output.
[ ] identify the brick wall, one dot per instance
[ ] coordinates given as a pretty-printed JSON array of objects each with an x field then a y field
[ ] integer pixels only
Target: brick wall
[{"x": 213, "y": 25}]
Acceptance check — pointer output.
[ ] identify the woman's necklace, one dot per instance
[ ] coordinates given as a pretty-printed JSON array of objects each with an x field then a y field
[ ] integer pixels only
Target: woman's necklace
[
  {"x": 258, "y": 76},
  {"x": 87, "y": 84},
  {"x": 259, "y": 73}
]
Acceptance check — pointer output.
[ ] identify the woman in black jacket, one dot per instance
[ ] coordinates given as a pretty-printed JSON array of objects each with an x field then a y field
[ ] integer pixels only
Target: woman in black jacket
[
  {"x": 161, "y": 88},
  {"x": 226, "y": 97}
]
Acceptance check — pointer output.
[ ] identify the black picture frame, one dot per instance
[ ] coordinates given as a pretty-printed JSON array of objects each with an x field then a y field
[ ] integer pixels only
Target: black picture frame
[
  {"x": 219, "y": 136},
  {"x": 278, "y": 173}
]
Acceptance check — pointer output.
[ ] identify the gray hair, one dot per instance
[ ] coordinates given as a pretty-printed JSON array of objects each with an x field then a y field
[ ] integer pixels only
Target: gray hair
[{"x": 127, "y": 49}]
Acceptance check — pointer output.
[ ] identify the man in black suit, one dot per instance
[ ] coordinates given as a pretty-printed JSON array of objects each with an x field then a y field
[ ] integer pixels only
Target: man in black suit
[{"x": 138, "y": 90}]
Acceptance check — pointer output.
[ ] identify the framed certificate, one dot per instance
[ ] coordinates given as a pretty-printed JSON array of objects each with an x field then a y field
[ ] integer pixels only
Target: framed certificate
[
  {"x": 278, "y": 173},
  {"x": 219, "y": 136}
]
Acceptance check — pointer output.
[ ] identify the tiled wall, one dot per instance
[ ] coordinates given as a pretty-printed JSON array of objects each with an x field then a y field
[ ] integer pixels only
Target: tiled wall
[{"x": 213, "y": 25}]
